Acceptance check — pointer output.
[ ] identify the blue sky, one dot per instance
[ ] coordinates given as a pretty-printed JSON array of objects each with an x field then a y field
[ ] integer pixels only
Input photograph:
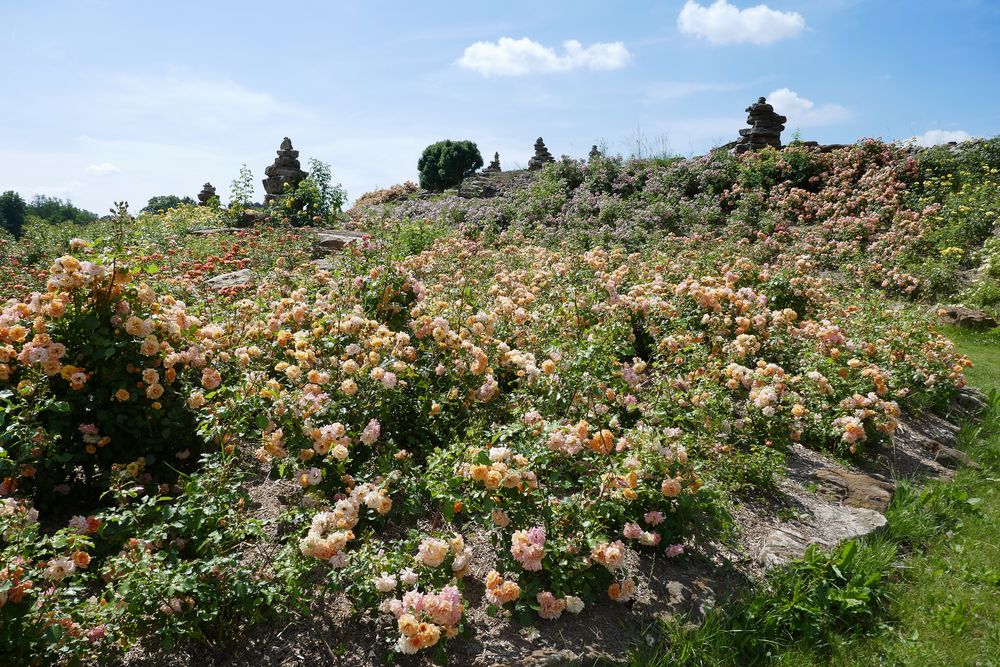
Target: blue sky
[{"x": 117, "y": 99}]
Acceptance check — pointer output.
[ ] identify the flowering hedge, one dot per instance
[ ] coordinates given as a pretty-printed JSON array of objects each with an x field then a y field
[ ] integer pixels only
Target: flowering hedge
[
  {"x": 572, "y": 407},
  {"x": 95, "y": 376},
  {"x": 511, "y": 400}
]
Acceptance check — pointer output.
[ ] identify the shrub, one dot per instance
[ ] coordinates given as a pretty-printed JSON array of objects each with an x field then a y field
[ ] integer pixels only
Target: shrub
[
  {"x": 241, "y": 192},
  {"x": 386, "y": 195},
  {"x": 444, "y": 164},
  {"x": 315, "y": 198},
  {"x": 94, "y": 378},
  {"x": 168, "y": 564},
  {"x": 985, "y": 291}
]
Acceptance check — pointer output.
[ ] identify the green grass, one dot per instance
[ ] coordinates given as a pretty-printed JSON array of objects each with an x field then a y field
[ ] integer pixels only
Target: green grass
[
  {"x": 923, "y": 592},
  {"x": 983, "y": 348},
  {"x": 945, "y": 607}
]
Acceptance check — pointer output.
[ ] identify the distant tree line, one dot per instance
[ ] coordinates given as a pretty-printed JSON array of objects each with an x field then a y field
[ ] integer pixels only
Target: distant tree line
[
  {"x": 56, "y": 211},
  {"x": 15, "y": 212}
]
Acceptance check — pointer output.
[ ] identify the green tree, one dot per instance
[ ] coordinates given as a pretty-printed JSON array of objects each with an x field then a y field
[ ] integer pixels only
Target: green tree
[
  {"x": 241, "y": 190},
  {"x": 316, "y": 196},
  {"x": 444, "y": 164},
  {"x": 164, "y": 202},
  {"x": 55, "y": 211},
  {"x": 13, "y": 212}
]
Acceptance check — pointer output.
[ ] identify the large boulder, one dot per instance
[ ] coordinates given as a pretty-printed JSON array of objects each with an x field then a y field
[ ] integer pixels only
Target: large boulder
[
  {"x": 967, "y": 318},
  {"x": 226, "y": 280}
]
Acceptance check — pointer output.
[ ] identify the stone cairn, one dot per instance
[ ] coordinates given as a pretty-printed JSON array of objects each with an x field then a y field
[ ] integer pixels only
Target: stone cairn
[
  {"x": 542, "y": 156},
  {"x": 594, "y": 153},
  {"x": 286, "y": 169},
  {"x": 494, "y": 166},
  {"x": 765, "y": 128},
  {"x": 206, "y": 194}
]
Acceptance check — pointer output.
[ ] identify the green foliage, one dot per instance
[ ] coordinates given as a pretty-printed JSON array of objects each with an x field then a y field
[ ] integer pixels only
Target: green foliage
[
  {"x": 162, "y": 203},
  {"x": 985, "y": 289},
  {"x": 807, "y": 602},
  {"x": 444, "y": 164},
  {"x": 241, "y": 192},
  {"x": 195, "y": 583},
  {"x": 330, "y": 197},
  {"x": 13, "y": 213},
  {"x": 166, "y": 561},
  {"x": 95, "y": 399},
  {"x": 849, "y": 607},
  {"x": 316, "y": 199},
  {"x": 412, "y": 237},
  {"x": 56, "y": 211}
]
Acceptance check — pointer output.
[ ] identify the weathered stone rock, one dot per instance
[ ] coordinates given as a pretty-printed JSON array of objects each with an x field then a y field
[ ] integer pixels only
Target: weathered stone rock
[
  {"x": 969, "y": 402},
  {"x": 856, "y": 489},
  {"x": 334, "y": 240},
  {"x": 541, "y": 157},
  {"x": 967, "y": 318},
  {"x": 286, "y": 169},
  {"x": 479, "y": 186},
  {"x": 206, "y": 194},
  {"x": 826, "y": 526},
  {"x": 227, "y": 280},
  {"x": 937, "y": 437},
  {"x": 208, "y": 231},
  {"x": 765, "y": 128},
  {"x": 954, "y": 458},
  {"x": 927, "y": 426}
]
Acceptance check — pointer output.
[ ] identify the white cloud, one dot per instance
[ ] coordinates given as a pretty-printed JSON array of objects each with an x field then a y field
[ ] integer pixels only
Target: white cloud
[
  {"x": 935, "y": 137},
  {"x": 723, "y": 23},
  {"x": 516, "y": 57},
  {"x": 103, "y": 169},
  {"x": 805, "y": 113}
]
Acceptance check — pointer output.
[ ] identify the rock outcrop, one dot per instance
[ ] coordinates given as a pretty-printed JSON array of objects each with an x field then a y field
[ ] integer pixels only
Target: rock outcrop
[
  {"x": 286, "y": 169},
  {"x": 967, "y": 318},
  {"x": 240, "y": 278}
]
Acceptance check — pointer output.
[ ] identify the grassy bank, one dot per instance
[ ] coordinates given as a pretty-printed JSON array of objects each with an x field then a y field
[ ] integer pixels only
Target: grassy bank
[{"x": 923, "y": 592}]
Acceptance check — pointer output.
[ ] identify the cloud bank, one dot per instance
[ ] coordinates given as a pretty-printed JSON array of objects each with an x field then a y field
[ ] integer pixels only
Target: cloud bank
[
  {"x": 518, "y": 57},
  {"x": 935, "y": 137},
  {"x": 723, "y": 23},
  {"x": 103, "y": 169}
]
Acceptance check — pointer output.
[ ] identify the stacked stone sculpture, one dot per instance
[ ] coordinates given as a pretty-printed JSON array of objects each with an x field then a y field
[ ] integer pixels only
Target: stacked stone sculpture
[
  {"x": 206, "y": 194},
  {"x": 594, "y": 153},
  {"x": 286, "y": 169},
  {"x": 542, "y": 156},
  {"x": 765, "y": 128},
  {"x": 494, "y": 166}
]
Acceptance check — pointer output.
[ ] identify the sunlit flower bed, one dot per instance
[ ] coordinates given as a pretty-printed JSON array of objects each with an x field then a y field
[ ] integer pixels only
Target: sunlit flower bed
[{"x": 451, "y": 404}]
